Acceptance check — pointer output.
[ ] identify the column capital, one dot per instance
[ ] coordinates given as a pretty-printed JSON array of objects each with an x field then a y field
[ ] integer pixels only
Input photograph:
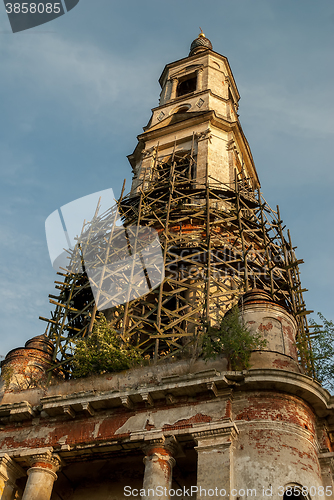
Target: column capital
[
  {"x": 157, "y": 457},
  {"x": 46, "y": 460},
  {"x": 164, "y": 445},
  {"x": 221, "y": 434}
]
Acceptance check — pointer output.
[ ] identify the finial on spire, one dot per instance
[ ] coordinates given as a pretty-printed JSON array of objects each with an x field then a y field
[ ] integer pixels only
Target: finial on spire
[
  {"x": 201, "y": 33},
  {"x": 200, "y": 44}
]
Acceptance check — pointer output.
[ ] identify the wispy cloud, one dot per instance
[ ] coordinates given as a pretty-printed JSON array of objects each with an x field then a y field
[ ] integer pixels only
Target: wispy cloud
[
  {"x": 63, "y": 74},
  {"x": 25, "y": 279},
  {"x": 281, "y": 107}
]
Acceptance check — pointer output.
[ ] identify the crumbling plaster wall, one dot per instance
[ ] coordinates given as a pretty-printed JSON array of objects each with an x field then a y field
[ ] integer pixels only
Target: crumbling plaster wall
[
  {"x": 277, "y": 442},
  {"x": 272, "y": 439}
]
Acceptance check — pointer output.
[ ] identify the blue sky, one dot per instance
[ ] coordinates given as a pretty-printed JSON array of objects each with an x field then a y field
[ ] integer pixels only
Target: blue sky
[{"x": 77, "y": 91}]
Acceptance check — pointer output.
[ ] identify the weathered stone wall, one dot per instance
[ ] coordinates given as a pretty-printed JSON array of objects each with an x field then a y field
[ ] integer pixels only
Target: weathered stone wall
[
  {"x": 205, "y": 426},
  {"x": 277, "y": 442}
]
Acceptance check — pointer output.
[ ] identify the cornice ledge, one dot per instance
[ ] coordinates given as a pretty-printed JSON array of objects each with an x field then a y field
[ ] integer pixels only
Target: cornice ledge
[
  {"x": 327, "y": 459},
  {"x": 225, "y": 428},
  {"x": 300, "y": 385},
  {"x": 16, "y": 412},
  {"x": 182, "y": 98},
  {"x": 174, "y": 127},
  {"x": 327, "y": 456}
]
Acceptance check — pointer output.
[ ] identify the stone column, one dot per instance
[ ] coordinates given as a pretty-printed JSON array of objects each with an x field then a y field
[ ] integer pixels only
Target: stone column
[
  {"x": 214, "y": 465},
  {"x": 9, "y": 473},
  {"x": 41, "y": 476},
  {"x": 199, "y": 85},
  {"x": 158, "y": 470},
  {"x": 174, "y": 87}
]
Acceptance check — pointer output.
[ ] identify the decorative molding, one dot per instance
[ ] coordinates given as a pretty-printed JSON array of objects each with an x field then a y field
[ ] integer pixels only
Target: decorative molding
[
  {"x": 170, "y": 399},
  {"x": 212, "y": 387},
  {"x": 200, "y": 102},
  {"x": 87, "y": 409},
  {"x": 9, "y": 469},
  {"x": 227, "y": 429},
  {"x": 126, "y": 401},
  {"x": 227, "y": 393},
  {"x": 68, "y": 411},
  {"x": 188, "y": 70},
  {"x": 44, "y": 470},
  {"x": 147, "y": 398},
  {"x": 202, "y": 136},
  {"x": 147, "y": 152}
]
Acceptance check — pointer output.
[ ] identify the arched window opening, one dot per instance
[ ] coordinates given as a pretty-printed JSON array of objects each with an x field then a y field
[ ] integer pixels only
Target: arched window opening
[
  {"x": 183, "y": 109},
  {"x": 186, "y": 86}
]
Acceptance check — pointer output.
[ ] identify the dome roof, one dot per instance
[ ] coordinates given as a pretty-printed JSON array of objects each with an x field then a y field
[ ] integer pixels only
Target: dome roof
[{"x": 200, "y": 44}]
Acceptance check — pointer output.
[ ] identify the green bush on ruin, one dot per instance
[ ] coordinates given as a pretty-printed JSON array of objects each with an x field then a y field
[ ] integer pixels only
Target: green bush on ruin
[
  {"x": 233, "y": 339},
  {"x": 103, "y": 352}
]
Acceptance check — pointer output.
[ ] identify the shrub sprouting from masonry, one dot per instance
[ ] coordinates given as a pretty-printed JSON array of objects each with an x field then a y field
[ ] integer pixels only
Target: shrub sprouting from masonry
[
  {"x": 103, "y": 351},
  {"x": 233, "y": 339},
  {"x": 323, "y": 351}
]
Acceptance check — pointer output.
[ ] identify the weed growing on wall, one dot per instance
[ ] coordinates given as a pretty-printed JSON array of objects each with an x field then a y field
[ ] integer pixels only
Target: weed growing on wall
[
  {"x": 233, "y": 339},
  {"x": 323, "y": 351}
]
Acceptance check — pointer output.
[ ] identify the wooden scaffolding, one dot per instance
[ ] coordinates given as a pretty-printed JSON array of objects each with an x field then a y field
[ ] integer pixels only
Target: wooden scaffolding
[{"x": 218, "y": 241}]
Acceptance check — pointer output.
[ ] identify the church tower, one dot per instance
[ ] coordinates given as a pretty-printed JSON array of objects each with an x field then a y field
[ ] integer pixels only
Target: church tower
[
  {"x": 222, "y": 401},
  {"x": 197, "y": 113}
]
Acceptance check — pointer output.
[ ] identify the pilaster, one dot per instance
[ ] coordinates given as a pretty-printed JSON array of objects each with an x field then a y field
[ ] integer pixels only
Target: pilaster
[
  {"x": 9, "y": 473},
  {"x": 215, "y": 461},
  {"x": 326, "y": 461},
  {"x": 174, "y": 87}
]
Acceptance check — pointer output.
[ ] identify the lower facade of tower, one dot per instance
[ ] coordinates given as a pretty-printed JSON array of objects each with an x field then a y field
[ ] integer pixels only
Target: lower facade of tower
[
  {"x": 178, "y": 428},
  {"x": 171, "y": 430}
]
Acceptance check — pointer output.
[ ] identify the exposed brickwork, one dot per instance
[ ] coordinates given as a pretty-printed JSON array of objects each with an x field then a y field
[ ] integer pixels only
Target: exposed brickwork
[
  {"x": 265, "y": 328},
  {"x": 276, "y": 406},
  {"x": 181, "y": 424}
]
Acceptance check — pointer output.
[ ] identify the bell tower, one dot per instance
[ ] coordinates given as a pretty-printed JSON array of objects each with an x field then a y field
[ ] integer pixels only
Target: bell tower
[
  {"x": 197, "y": 114},
  {"x": 194, "y": 184},
  {"x": 185, "y": 417}
]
